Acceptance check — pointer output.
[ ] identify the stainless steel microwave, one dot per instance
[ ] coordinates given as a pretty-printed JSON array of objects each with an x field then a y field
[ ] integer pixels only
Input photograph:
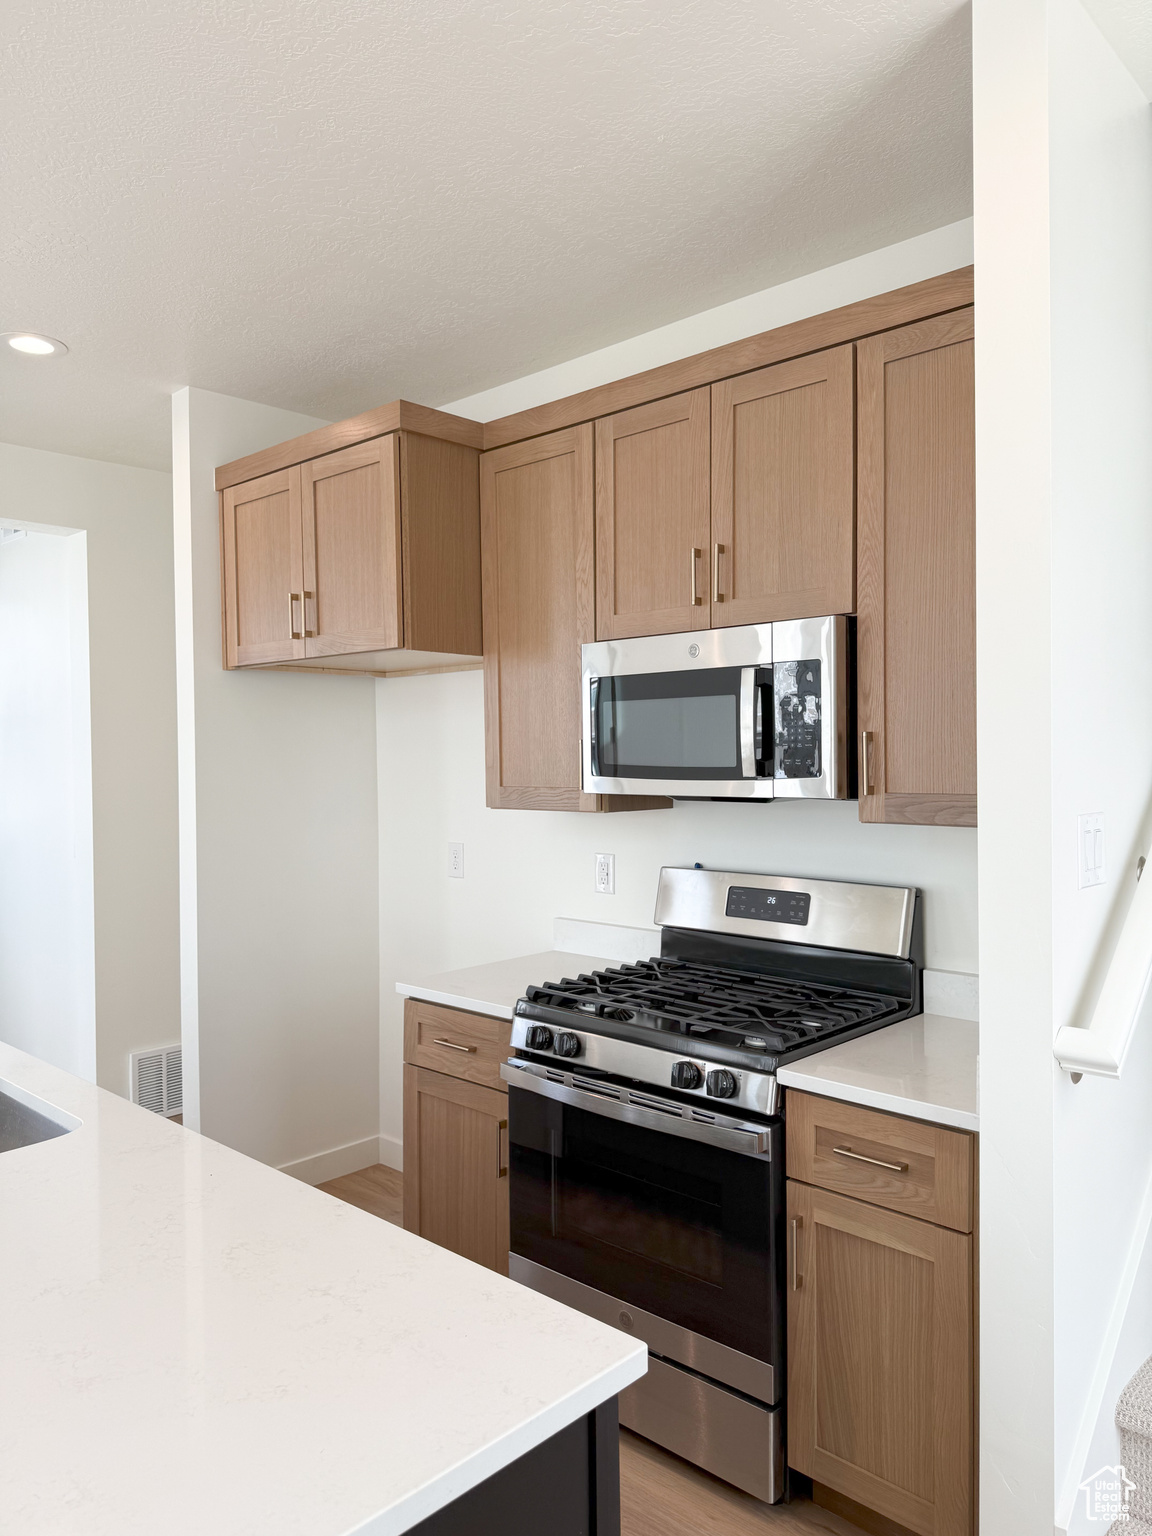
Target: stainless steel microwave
[{"x": 756, "y": 712}]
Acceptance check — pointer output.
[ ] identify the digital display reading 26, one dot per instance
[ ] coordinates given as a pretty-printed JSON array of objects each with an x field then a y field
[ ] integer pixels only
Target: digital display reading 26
[{"x": 768, "y": 906}]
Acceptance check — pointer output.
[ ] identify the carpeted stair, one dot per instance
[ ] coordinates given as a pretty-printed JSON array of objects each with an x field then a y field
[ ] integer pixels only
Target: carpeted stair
[{"x": 1134, "y": 1421}]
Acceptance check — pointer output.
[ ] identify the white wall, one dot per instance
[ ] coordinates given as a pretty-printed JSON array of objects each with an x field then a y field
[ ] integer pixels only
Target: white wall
[
  {"x": 522, "y": 868},
  {"x": 1063, "y": 217},
  {"x": 125, "y": 516},
  {"x": 47, "y": 950},
  {"x": 279, "y": 928}
]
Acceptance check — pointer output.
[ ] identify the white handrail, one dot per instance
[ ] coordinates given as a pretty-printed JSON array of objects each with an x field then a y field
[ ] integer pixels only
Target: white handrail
[{"x": 1103, "y": 1045}]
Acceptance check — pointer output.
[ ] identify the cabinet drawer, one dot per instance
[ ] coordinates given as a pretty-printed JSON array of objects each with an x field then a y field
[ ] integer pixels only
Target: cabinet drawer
[
  {"x": 466, "y": 1045},
  {"x": 906, "y": 1165}
]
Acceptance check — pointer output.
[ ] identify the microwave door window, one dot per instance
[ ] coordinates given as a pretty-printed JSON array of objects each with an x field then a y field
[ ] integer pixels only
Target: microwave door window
[{"x": 670, "y": 725}]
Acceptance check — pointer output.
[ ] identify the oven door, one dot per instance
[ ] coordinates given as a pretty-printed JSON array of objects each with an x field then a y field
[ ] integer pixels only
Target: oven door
[{"x": 689, "y": 1232}]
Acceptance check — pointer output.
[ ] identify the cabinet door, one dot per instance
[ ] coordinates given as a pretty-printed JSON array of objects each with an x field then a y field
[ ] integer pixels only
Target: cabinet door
[
  {"x": 456, "y": 1165},
  {"x": 916, "y": 525},
  {"x": 351, "y": 502},
  {"x": 880, "y": 1359},
  {"x": 652, "y": 518},
  {"x": 263, "y": 570},
  {"x": 783, "y": 491},
  {"x": 536, "y": 560}
]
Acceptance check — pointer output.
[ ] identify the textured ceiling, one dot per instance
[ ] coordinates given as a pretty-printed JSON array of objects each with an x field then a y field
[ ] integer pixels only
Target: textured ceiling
[{"x": 323, "y": 204}]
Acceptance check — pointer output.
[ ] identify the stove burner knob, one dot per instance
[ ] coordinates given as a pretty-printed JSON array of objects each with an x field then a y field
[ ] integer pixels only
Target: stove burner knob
[
  {"x": 722, "y": 1085},
  {"x": 686, "y": 1074},
  {"x": 538, "y": 1037},
  {"x": 567, "y": 1044}
]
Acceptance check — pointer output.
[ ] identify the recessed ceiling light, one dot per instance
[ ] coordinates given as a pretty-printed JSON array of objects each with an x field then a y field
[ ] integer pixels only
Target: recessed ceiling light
[{"x": 35, "y": 346}]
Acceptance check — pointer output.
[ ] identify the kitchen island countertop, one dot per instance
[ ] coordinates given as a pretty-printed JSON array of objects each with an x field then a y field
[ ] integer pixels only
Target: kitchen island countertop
[{"x": 192, "y": 1341}]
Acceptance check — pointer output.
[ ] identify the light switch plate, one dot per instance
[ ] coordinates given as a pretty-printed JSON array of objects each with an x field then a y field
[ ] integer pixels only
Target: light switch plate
[
  {"x": 456, "y": 861},
  {"x": 606, "y": 874},
  {"x": 1090, "y": 848}
]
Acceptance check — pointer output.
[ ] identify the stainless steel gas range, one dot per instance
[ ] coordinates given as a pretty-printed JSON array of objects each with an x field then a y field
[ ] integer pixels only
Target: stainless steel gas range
[{"x": 647, "y": 1140}]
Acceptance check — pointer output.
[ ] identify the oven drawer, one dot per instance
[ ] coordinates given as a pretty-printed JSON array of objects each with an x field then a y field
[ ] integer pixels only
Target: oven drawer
[
  {"x": 466, "y": 1045},
  {"x": 728, "y": 1435},
  {"x": 905, "y": 1165}
]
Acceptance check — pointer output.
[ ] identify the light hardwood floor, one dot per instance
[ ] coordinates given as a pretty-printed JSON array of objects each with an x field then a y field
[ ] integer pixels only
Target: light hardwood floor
[
  {"x": 378, "y": 1190},
  {"x": 660, "y": 1495}
]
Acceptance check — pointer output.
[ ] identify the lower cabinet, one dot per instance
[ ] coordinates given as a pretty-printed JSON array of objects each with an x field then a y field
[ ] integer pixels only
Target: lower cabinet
[
  {"x": 456, "y": 1132},
  {"x": 881, "y": 1340}
]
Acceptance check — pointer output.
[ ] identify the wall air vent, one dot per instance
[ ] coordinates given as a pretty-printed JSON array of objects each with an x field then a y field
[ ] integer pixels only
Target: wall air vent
[{"x": 157, "y": 1080}]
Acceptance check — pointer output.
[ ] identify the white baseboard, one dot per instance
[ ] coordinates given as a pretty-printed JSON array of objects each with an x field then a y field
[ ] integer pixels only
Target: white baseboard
[
  {"x": 336, "y": 1162},
  {"x": 392, "y": 1152}
]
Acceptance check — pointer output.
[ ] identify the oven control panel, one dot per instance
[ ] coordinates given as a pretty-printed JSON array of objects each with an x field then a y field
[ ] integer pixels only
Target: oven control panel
[
  {"x": 702, "y": 1079},
  {"x": 768, "y": 906}
]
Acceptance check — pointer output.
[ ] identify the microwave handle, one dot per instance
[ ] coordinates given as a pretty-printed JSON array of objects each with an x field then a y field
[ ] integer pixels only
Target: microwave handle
[
  {"x": 748, "y": 722},
  {"x": 593, "y": 743}
]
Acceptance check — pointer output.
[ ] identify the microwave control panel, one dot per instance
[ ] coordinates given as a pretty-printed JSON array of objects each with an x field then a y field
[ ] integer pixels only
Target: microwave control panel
[{"x": 797, "y": 723}]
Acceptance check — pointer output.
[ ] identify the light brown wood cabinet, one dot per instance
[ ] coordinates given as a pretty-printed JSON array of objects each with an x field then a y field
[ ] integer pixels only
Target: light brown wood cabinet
[
  {"x": 880, "y": 1313},
  {"x": 783, "y": 491},
  {"x": 263, "y": 547},
  {"x": 536, "y": 501},
  {"x": 456, "y": 1131},
  {"x": 729, "y": 505},
  {"x": 653, "y": 519},
  {"x": 364, "y": 552},
  {"x": 916, "y": 601}
]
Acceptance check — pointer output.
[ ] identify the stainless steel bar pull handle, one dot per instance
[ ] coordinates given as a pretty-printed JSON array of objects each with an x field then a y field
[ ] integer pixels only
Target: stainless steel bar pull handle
[
  {"x": 717, "y": 551},
  {"x": 695, "y": 555},
  {"x": 452, "y": 1046},
  {"x": 866, "y": 785},
  {"x": 293, "y": 599},
  {"x": 876, "y": 1162},
  {"x": 797, "y": 1277},
  {"x": 309, "y": 634}
]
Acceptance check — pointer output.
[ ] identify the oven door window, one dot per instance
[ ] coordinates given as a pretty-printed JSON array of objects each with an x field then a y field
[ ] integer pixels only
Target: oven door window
[
  {"x": 669, "y": 725},
  {"x": 682, "y": 1229}
]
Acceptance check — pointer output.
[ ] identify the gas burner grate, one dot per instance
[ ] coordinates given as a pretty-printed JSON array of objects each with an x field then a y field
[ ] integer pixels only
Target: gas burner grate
[{"x": 735, "y": 1008}]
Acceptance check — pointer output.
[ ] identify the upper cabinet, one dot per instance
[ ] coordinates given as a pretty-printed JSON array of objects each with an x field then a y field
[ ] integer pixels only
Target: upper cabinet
[
  {"x": 729, "y": 505},
  {"x": 917, "y": 574},
  {"x": 365, "y": 557},
  {"x": 351, "y": 505},
  {"x": 826, "y": 467},
  {"x": 536, "y": 503},
  {"x": 536, "y": 521},
  {"x": 263, "y": 549},
  {"x": 783, "y": 491},
  {"x": 652, "y": 519}
]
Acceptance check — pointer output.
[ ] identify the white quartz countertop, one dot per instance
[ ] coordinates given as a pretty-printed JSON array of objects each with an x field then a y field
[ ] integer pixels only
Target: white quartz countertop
[
  {"x": 924, "y": 1067},
  {"x": 192, "y": 1342},
  {"x": 494, "y": 988}
]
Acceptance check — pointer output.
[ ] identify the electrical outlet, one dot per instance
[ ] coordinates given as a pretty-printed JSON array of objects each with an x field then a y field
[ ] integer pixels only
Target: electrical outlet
[
  {"x": 1090, "y": 844},
  {"x": 456, "y": 860},
  {"x": 606, "y": 874}
]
